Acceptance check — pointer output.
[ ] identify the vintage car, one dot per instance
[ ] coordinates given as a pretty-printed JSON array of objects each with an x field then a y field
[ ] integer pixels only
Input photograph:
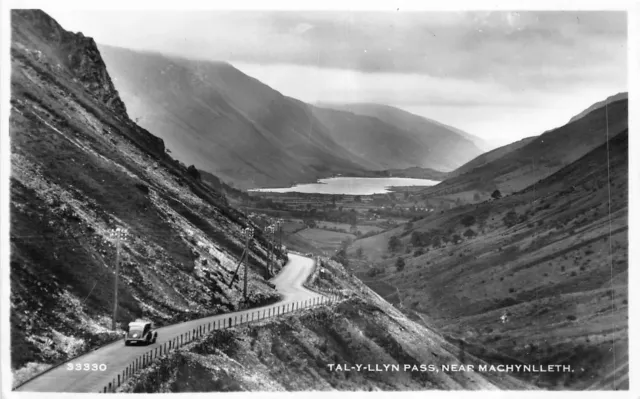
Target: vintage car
[{"x": 140, "y": 332}]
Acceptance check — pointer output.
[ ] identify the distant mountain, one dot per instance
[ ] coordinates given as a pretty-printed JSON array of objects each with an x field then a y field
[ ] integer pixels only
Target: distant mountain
[
  {"x": 519, "y": 165},
  {"x": 443, "y": 147},
  {"x": 384, "y": 145},
  {"x": 418, "y": 173},
  {"x": 614, "y": 98},
  {"x": 213, "y": 116}
]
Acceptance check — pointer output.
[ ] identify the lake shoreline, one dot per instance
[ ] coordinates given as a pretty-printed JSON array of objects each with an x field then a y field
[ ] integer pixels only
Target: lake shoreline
[{"x": 344, "y": 185}]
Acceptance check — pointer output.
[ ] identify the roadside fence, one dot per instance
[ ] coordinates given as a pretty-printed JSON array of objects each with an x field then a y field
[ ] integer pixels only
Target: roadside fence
[{"x": 177, "y": 342}]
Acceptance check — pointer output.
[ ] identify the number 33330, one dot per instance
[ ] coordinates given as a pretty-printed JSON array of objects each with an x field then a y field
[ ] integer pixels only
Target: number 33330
[{"x": 86, "y": 367}]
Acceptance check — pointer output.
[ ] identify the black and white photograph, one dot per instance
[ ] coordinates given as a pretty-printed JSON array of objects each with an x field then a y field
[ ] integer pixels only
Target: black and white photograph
[{"x": 339, "y": 197}]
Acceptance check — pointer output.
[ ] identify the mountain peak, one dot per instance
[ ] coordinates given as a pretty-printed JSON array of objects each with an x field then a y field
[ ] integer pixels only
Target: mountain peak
[{"x": 64, "y": 51}]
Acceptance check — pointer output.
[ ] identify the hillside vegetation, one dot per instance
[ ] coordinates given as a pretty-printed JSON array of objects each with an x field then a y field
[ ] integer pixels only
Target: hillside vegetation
[
  {"x": 552, "y": 259},
  {"x": 81, "y": 168}
]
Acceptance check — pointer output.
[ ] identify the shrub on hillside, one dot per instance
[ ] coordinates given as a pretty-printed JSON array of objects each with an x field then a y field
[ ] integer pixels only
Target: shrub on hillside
[
  {"x": 193, "y": 172},
  {"x": 468, "y": 221},
  {"x": 394, "y": 244},
  {"x": 469, "y": 233},
  {"x": 400, "y": 264},
  {"x": 375, "y": 271},
  {"x": 510, "y": 219}
]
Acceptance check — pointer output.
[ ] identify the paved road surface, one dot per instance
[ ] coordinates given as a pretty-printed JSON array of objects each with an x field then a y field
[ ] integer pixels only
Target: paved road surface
[{"x": 117, "y": 357}]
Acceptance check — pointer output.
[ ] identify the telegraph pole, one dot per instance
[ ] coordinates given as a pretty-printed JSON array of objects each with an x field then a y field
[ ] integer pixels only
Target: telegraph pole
[
  {"x": 248, "y": 233},
  {"x": 118, "y": 234},
  {"x": 280, "y": 222},
  {"x": 270, "y": 237}
]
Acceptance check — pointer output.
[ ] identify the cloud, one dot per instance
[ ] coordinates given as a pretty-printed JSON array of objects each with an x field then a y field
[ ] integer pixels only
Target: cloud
[
  {"x": 474, "y": 62},
  {"x": 488, "y": 109}
]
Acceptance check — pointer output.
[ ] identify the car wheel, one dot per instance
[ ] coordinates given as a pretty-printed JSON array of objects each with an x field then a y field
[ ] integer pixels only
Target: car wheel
[{"x": 155, "y": 337}]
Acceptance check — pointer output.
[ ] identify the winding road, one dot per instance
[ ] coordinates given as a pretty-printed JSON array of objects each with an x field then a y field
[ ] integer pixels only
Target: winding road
[{"x": 116, "y": 356}]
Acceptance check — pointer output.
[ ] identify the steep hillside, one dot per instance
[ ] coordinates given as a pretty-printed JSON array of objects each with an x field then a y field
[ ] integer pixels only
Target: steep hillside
[
  {"x": 79, "y": 169},
  {"x": 552, "y": 259},
  {"x": 385, "y": 145},
  {"x": 600, "y": 104},
  {"x": 538, "y": 158},
  {"x": 444, "y": 148},
  {"x": 295, "y": 353},
  {"x": 213, "y": 116},
  {"x": 490, "y": 156}
]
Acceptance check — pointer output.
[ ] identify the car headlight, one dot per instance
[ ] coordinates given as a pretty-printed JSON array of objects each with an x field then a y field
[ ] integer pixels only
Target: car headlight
[{"x": 135, "y": 335}]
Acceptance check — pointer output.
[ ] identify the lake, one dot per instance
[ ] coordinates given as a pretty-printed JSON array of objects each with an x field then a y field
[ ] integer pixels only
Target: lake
[{"x": 352, "y": 185}]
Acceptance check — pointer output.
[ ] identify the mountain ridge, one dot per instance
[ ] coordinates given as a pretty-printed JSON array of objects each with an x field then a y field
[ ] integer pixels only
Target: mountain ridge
[
  {"x": 600, "y": 104},
  {"x": 231, "y": 124},
  {"x": 446, "y": 147},
  {"x": 519, "y": 166}
]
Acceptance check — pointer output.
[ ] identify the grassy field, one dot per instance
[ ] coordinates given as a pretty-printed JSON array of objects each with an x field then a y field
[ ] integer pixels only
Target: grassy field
[
  {"x": 363, "y": 228},
  {"x": 324, "y": 240},
  {"x": 290, "y": 226}
]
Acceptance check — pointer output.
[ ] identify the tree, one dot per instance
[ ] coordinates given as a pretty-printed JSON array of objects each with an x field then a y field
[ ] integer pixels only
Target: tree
[
  {"x": 408, "y": 226},
  {"x": 469, "y": 233},
  {"x": 468, "y": 220},
  {"x": 394, "y": 243},
  {"x": 456, "y": 238},
  {"x": 359, "y": 252},
  {"x": 357, "y": 198},
  {"x": 406, "y": 195},
  {"x": 416, "y": 239},
  {"x": 496, "y": 194},
  {"x": 400, "y": 264},
  {"x": 341, "y": 257},
  {"x": 193, "y": 172}
]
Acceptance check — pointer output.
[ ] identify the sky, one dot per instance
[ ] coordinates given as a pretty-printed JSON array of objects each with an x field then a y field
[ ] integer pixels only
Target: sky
[{"x": 501, "y": 75}]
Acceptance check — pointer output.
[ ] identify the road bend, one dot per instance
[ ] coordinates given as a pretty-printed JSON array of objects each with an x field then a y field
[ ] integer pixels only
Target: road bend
[{"x": 117, "y": 357}]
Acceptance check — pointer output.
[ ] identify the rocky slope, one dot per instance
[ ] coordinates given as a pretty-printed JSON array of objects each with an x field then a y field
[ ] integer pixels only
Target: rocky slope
[
  {"x": 437, "y": 146},
  {"x": 552, "y": 259},
  {"x": 225, "y": 122},
  {"x": 80, "y": 168},
  {"x": 518, "y": 166},
  {"x": 294, "y": 353}
]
